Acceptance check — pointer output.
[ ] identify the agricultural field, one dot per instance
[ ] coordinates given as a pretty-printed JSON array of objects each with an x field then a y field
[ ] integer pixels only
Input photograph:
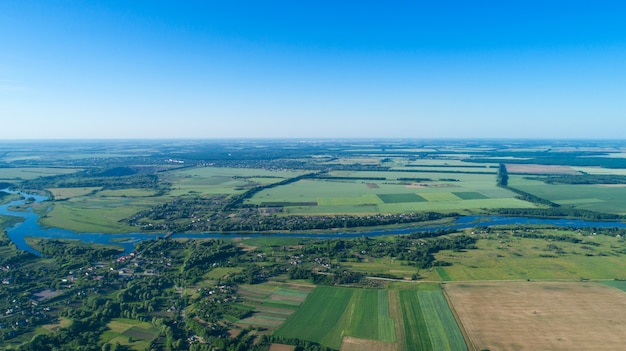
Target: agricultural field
[
  {"x": 27, "y": 173},
  {"x": 503, "y": 256},
  {"x": 388, "y": 266},
  {"x": 362, "y": 193},
  {"x": 131, "y": 333},
  {"x": 429, "y": 323},
  {"x": 221, "y": 180},
  {"x": 540, "y": 315},
  {"x": 96, "y": 213},
  {"x": 609, "y": 198},
  {"x": 346, "y": 318},
  {"x": 60, "y": 194},
  {"x": 271, "y": 304}
]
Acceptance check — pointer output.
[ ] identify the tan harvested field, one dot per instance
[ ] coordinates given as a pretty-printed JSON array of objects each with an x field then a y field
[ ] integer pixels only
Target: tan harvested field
[
  {"x": 541, "y": 315},
  {"x": 539, "y": 169},
  {"x": 354, "y": 344},
  {"x": 281, "y": 347}
]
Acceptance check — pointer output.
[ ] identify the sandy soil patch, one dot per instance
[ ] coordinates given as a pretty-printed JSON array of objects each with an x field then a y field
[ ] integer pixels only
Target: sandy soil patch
[
  {"x": 281, "y": 347},
  {"x": 234, "y": 332},
  {"x": 541, "y": 315},
  {"x": 539, "y": 169},
  {"x": 354, "y": 344}
]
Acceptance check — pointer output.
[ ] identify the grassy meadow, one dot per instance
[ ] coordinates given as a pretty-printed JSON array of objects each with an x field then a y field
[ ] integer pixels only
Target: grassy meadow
[
  {"x": 502, "y": 256},
  {"x": 131, "y": 333},
  {"x": 92, "y": 209},
  {"x": 220, "y": 180},
  {"x": 88, "y": 213},
  {"x": 17, "y": 174}
]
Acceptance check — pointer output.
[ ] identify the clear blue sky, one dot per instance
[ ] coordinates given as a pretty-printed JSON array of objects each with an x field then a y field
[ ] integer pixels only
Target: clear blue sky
[{"x": 306, "y": 69}]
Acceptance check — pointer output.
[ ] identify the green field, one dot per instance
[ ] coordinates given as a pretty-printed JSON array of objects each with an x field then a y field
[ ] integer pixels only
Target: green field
[
  {"x": 27, "y": 173},
  {"x": 131, "y": 333},
  {"x": 400, "y": 198},
  {"x": 502, "y": 256},
  {"x": 96, "y": 213},
  {"x": 270, "y": 304},
  {"x": 67, "y": 193},
  {"x": 331, "y": 313},
  {"x": 620, "y": 284},
  {"x": 362, "y": 194},
  {"x": 218, "y": 180},
  {"x": 594, "y": 197}
]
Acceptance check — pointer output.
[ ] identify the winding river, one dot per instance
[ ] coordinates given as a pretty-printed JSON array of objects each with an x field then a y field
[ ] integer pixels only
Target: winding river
[{"x": 30, "y": 227}]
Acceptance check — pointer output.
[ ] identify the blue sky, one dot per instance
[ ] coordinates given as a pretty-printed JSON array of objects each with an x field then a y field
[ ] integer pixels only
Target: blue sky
[{"x": 307, "y": 69}]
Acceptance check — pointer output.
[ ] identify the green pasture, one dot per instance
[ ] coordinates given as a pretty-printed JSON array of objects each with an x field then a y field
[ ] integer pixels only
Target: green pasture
[
  {"x": 28, "y": 173},
  {"x": 594, "y": 197},
  {"x": 134, "y": 334},
  {"x": 503, "y": 257},
  {"x": 133, "y": 192},
  {"x": 385, "y": 265},
  {"x": 479, "y": 168},
  {"x": 96, "y": 214},
  {"x": 221, "y": 272},
  {"x": 68, "y": 193},
  {"x": 217, "y": 180}
]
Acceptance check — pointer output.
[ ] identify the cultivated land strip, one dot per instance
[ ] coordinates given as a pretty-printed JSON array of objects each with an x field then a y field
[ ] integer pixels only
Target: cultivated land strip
[{"x": 395, "y": 312}]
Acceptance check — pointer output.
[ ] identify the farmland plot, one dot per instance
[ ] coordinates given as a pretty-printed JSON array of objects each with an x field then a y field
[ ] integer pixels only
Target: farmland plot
[
  {"x": 271, "y": 305},
  {"x": 541, "y": 315},
  {"x": 386, "y": 319}
]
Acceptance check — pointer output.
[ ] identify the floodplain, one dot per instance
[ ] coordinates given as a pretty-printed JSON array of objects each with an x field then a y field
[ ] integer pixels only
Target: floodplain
[{"x": 514, "y": 287}]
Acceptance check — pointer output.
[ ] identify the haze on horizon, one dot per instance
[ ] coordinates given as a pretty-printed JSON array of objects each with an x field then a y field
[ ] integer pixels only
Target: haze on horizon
[{"x": 304, "y": 69}]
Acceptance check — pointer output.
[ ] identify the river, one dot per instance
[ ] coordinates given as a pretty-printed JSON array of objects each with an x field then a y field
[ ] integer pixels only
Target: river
[{"x": 30, "y": 227}]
